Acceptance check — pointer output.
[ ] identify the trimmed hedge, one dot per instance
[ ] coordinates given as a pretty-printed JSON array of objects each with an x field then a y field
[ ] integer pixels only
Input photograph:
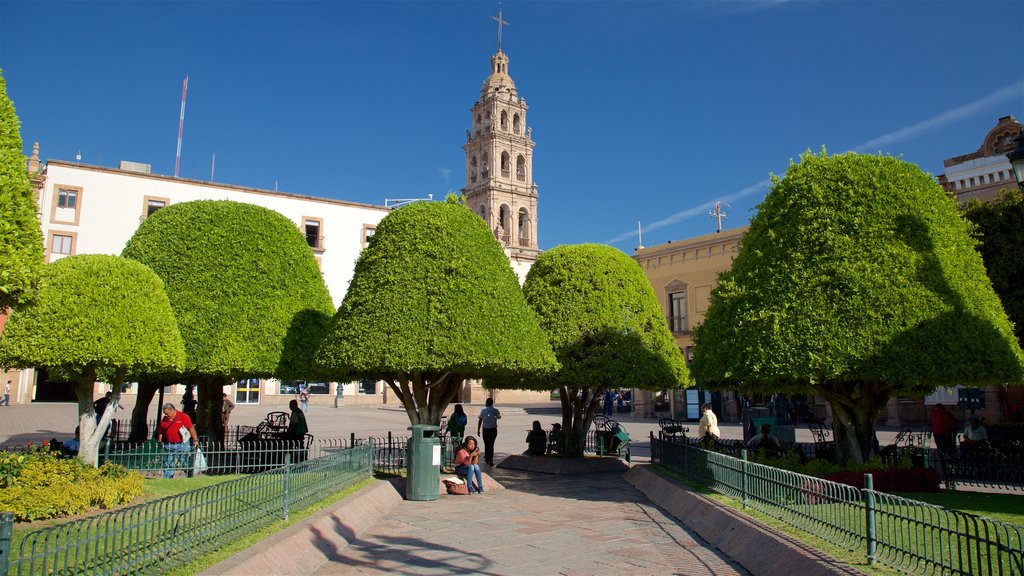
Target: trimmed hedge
[{"x": 38, "y": 485}]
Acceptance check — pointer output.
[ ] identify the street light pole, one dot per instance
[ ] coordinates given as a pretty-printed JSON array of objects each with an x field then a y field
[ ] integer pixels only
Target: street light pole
[{"x": 1016, "y": 158}]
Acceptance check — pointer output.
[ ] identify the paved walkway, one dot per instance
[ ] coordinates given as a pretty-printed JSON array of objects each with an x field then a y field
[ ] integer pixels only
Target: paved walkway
[{"x": 595, "y": 524}]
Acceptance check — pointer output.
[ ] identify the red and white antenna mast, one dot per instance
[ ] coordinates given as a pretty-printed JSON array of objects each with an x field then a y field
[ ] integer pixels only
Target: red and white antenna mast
[{"x": 181, "y": 126}]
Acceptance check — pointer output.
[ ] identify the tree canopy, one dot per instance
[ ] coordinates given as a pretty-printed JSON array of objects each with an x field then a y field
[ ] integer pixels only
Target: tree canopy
[
  {"x": 606, "y": 327},
  {"x": 1000, "y": 229},
  {"x": 433, "y": 301},
  {"x": 95, "y": 313},
  {"x": 21, "y": 241},
  {"x": 858, "y": 280},
  {"x": 246, "y": 289}
]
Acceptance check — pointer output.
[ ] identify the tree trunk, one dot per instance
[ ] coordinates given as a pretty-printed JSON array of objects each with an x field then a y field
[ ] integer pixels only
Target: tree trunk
[
  {"x": 140, "y": 414},
  {"x": 90, "y": 432},
  {"x": 210, "y": 407},
  {"x": 578, "y": 409},
  {"x": 855, "y": 411},
  {"x": 426, "y": 397}
]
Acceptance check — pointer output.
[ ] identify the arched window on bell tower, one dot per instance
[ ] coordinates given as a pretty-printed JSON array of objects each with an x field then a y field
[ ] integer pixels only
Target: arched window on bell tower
[
  {"x": 504, "y": 121},
  {"x": 524, "y": 227},
  {"x": 485, "y": 166},
  {"x": 506, "y": 165},
  {"x": 472, "y": 169},
  {"x": 521, "y": 168},
  {"x": 517, "y": 125},
  {"x": 504, "y": 224}
]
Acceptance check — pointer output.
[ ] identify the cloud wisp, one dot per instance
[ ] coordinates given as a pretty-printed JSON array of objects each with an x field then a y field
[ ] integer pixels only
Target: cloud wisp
[
  {"x": 958, "y": 113},
  {"x": 906, "y": 133}
]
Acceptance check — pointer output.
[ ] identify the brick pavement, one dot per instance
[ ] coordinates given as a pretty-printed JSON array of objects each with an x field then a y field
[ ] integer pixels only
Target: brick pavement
[{"x": 539, "y": 524}]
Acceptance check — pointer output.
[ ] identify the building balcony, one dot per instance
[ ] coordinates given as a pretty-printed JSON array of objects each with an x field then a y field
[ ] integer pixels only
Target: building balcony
[{"x": 506, "y": 173}]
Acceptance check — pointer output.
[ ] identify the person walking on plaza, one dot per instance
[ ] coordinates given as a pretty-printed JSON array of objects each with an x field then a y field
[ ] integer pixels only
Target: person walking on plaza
[
  {"x": 456, "y": 427},
  {"x": 708, "y": 431},
  {"x": 6, "y": 401},
  {"x": 304, "y": 398},
  {"x": 943, "y": 429},
  {"x": 174, "y": 432},
  {"x": 487, "y": 426}
]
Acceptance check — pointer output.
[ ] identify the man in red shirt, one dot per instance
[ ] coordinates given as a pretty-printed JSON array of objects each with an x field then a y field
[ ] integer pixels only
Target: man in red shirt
[
  {"x": 176, "y": 444},
  {"x": 943, "y": 428}
]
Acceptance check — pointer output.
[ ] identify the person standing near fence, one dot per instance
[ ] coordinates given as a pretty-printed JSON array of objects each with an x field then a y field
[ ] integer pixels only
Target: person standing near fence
[
  {"x": 708, "y": 431},
  {"x": 304, "y": 398},
  {"x": 456, "y": 427},
  {"x": 225, "y": 411},
  {"x": 487, "y": 423},
  {"x": 297, "y": 430},
  {"x": 943, "y": 429},
  {"x": 174, "y": 432}
]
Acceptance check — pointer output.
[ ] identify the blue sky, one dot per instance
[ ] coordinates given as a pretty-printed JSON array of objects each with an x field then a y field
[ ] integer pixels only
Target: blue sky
[{"x": 646, "y": 111}]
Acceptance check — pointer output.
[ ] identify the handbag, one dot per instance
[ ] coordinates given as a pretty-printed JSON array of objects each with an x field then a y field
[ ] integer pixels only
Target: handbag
[{"x": 199, "y": 463}]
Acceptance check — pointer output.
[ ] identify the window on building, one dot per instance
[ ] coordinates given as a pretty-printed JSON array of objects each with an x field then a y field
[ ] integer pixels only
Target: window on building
[
  {"x": 485, "y": 165},
  {"x": 61, "y": 244},
  {"x": 367, "y": 386},
  {"x": 154, "y": 205},
  {"x": 293, "y": 387},
  {"x": 521, "y": 168},
  {"x": 506, "y": 164},
  {"x": 312, "y": 228},
  {"x": 677, "y": 312},
  {"x": 517, "y": 124},
  {"x": 524, "y": 227},
  {"x": 368, "y": 232},
  {"x": 67, "y": 198},
  {"x": 504, "y": 121}
]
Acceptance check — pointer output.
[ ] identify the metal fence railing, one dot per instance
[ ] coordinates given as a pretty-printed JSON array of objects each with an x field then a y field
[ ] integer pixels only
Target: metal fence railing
[
  {"x": 246, "y": 457},
  {"x": 911, "y": 536},
  {"x": 157, "y": 536},
  {"x": 390, "y": 452}
]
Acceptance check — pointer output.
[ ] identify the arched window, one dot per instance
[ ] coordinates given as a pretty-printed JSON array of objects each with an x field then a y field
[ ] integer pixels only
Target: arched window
[
  {"x": 472, "y": 169},
  {"x": 483, "y": 212},
  {"x": 517, "y": 125},
  {"x": 506, "y": 165},
  {"x": 521, "y": 168},
  {"x": 485, "y": 170},
  {"x": 504, "y": 121},
  {"x": 504, "y": 223},
  {"x": 524, "y": 227}
]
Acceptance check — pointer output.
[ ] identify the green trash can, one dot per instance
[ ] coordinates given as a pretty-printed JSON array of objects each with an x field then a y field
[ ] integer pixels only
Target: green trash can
[{"x": 423, "y": 456}]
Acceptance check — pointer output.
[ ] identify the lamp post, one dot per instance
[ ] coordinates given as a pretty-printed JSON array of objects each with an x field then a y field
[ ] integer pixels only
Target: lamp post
[{"x": 1016, "y": 158}]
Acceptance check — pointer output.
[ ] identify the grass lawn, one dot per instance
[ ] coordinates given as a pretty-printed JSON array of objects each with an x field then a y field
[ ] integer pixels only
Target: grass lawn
[
  {"x": 1003, "y": 507},
  {"x": 156, "y": 488}
]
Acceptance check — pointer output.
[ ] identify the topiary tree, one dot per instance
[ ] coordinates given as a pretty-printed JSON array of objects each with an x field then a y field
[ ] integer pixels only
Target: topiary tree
[
  {"x": 21, "y": 241},
  {"x": 250, "y": 299},
  {"x": 858, "y": 280},
  {"x": 606, "y": 327},
  {"x": 94, "y": 314},
  {"x": 432, "y": 303}
]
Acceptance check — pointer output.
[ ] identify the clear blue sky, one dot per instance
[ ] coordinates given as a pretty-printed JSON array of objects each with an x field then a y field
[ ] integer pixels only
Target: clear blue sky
[{"x": 644, "y": 111}]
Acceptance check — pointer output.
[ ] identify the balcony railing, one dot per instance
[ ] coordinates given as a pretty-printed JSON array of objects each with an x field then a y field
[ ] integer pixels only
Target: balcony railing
[
  {"x": 524, "y": 242},
  {"x": 521, "y": 177},
  {"x": 678, "y": 324},
  {"x": 505, "y": 173}
]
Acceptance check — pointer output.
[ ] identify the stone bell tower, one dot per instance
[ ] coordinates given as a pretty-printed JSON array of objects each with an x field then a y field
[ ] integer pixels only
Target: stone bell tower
[{"x": 499, "y": 165}]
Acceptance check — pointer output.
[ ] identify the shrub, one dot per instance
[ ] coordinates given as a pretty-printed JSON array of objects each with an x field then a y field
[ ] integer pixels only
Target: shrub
[{"x": 39, "y": 485}]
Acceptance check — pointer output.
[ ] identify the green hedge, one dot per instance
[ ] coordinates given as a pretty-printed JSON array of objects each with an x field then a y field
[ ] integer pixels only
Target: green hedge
[{"x": 37, "y": 485}]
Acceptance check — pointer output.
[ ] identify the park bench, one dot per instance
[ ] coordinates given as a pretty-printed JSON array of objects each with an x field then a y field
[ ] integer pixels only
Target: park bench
[
  {"x": 611, "y": 438},
  {"x": 824, "y": 447},
  {"x": 672, "y": 430}
]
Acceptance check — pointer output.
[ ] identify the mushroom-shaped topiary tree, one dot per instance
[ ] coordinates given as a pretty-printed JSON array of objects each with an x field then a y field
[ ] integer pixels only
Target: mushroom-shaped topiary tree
[
  {"x": 21, "y": 242},
  {"x": 606, "y": 328},
  {"x": 94, "y": 314},
  {"x": 432, "y": 303},
  {"x": 857, "y": 281},
  {"x": 246, "y": 289}
]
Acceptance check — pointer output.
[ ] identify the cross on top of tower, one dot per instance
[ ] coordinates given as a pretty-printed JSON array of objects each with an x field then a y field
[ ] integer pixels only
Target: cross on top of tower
[{"x": 501, "y": 22}]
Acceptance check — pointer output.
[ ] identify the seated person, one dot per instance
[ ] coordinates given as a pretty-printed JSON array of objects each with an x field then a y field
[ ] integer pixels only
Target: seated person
[
  {"x": 765, "y": 440},
  {"x": 536, "y": 440},
  {"x": 555, "y": 439},
  {"x": 975, "y": 435}
]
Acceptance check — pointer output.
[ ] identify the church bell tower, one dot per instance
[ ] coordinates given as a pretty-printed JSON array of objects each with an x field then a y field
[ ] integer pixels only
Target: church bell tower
[{"x": 499, "y": 164}]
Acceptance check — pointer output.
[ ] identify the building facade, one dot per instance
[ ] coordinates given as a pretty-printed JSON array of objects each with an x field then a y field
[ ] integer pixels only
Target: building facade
[
  {"x": 983, "y": 173},
  {"x": 95, "y": 210}
]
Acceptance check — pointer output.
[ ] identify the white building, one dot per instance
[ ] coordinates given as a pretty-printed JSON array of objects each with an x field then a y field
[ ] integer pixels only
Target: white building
[{"x": 96, "y": 210}]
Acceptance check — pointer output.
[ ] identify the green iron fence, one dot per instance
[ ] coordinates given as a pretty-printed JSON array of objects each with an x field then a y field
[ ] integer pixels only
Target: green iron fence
[
  {"x": 157, "y": 536},
  {"x": 910, "y": 536}
]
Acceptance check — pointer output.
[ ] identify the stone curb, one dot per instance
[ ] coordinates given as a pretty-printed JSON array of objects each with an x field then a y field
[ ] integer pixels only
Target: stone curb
[
  {"x": 756, "y": 547},
  {"x": 305, "y": 546}
]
